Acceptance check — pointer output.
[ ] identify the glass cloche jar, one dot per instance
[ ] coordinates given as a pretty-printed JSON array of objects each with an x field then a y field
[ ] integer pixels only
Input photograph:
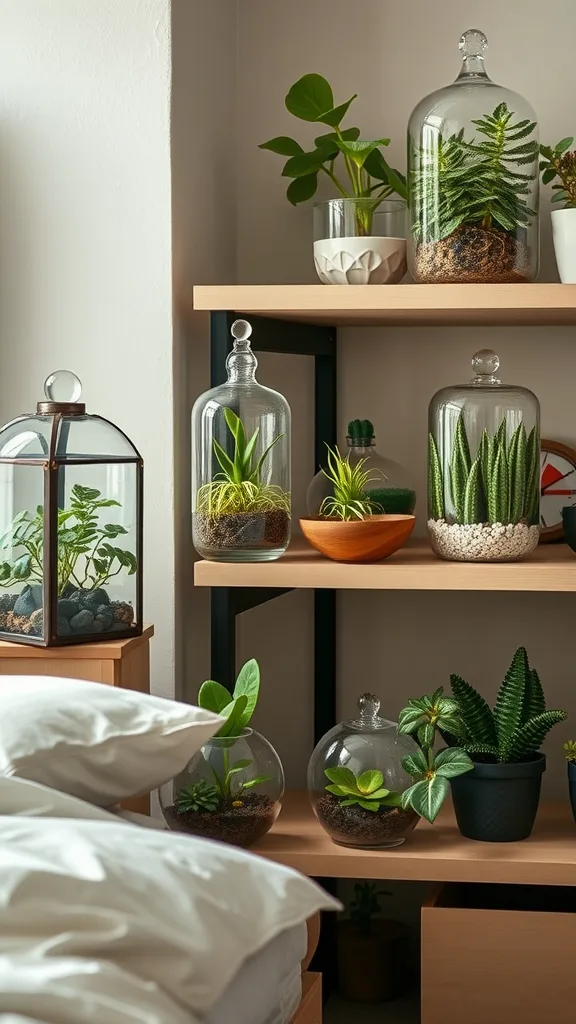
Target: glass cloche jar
[
  {"x": 241, "y": 464},
  {"x": 355, "y": 778},
  {"x": 389, "y": 486},
  {"x": 70, "y": 524},
  {"x": 473, "y": 180},
  {"x": 232, "y": 790},
  {"x": 484, "y": 468}
]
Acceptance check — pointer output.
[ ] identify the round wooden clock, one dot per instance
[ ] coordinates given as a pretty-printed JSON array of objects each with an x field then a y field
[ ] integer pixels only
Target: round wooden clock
[{"x": 557, "y": 487}]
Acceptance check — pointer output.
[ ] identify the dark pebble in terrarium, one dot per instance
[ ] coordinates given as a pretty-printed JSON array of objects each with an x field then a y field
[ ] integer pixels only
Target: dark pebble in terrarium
[
  {"x": 243, "y": 529},
  {"x": 29, "y": 601},
  {"x": 240, "y": 826},
  {"x": 353, "y": 826},
  {"x": 82, "y": 622}
]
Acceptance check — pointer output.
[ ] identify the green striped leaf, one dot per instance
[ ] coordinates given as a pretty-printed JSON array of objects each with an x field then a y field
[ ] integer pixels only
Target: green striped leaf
[
  {"x": 435, "y": 483},
  {"x": 517, "y": 473},
  {"x": 472, "y": 512},
  {"x": 510, "y": 702},
  {"x": 475, "y": 712}
]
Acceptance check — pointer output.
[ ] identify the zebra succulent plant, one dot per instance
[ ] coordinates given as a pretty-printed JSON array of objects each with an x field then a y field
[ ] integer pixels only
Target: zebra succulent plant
[
  {"x": 515, "y": 729},
  {"x": 501, "y": 484}
]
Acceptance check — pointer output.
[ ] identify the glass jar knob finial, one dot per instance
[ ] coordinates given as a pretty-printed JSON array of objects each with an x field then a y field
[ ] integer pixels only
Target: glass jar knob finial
[
  {"x": 62, "y": 386},
  {"x": 241, "y": 330},
  {"x": 368, "y": 705},
  {"x": 485, "y": 364},
  {"x": 241, "y": 363},
  {"x": 472, "y": 43}
]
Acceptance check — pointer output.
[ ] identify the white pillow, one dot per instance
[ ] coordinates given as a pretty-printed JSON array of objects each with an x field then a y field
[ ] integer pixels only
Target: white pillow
[
  {"x": 183, "y": 912},
  {"x": 75, "y": 991},
  {"x": 97, "y": 742},
  {"x": 20, "y": 796}
]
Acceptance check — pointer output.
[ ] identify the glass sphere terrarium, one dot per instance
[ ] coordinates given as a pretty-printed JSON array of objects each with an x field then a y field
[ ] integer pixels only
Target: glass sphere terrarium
[
  {"x": 356, "y": 778},
  {"x": 241, "y": 464},
  {"x": 473, "y": 180},
  {"x": 70, "y": 524},
  {"x": 484, "y": 468},
  {"x": 389, "y": 485},
  {"x": 231, "y": 791}
]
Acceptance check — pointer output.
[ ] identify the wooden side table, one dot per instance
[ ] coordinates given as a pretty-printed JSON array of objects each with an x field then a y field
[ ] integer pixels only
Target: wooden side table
[{"x": 124, "y": 663}]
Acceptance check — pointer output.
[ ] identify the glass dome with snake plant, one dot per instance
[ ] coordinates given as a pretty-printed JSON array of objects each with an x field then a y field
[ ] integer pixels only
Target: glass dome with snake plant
[
  {"x": 473, "y": 179},
  {"x": 241, "y": 463}
]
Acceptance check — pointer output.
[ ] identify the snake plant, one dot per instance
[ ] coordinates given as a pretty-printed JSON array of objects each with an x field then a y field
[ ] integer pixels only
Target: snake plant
[{"x": 501, "y": 484}]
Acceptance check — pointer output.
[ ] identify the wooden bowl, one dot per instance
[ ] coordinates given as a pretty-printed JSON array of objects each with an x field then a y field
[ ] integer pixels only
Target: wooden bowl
[{"x": 360, "y": 540}]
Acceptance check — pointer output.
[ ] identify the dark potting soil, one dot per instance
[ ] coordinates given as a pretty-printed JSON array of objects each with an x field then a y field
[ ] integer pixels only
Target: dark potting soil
[
  {"x": 473, "y": 254},
  {"x": 353, "y": 826},
  {"x": 397, "y": 501},
  {"x": 78, "y": 612},
  {"x": 243, "y": 529},
  {"x": 240, "y": 826}
]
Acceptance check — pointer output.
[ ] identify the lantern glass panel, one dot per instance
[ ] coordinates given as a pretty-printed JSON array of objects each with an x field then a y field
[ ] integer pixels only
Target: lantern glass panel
[
  {"x": 21, "y": 534},
  {"x": 26, "y": 438},
  {"x": 91, "y": 437}
]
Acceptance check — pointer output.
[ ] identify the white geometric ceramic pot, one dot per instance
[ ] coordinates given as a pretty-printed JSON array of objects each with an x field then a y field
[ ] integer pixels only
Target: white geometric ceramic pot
[
  {"x": 357, "y": 241},
  {"x": 564, "y": 234}
]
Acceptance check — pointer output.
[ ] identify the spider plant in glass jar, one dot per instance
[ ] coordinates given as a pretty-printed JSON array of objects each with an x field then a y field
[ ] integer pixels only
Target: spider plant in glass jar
[
  {"x": 232, "y": 789},
  {"x": 359, "y": 238},
  {"x": 351, "y": 526}
]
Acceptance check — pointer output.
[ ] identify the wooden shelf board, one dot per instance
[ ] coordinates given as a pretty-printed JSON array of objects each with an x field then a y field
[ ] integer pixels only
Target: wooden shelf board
[
  {"x": 405, "y": 304},
  {"x": 552, "y": 567},
  {"x": 433, "y": 853},
  {"x": 102, "y": 649}
]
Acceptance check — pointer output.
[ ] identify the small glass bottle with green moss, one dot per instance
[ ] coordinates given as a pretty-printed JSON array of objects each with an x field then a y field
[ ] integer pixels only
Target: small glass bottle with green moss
[{"x": 389, "y": 488}]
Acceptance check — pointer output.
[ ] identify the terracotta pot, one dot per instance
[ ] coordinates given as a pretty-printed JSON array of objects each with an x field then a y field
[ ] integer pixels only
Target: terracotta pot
[
  {"x": 373, "y": 968},
  {"x": 360, "y": 540}
]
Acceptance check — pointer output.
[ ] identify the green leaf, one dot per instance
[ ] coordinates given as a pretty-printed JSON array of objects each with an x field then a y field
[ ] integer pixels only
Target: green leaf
[
  {"x": 5, "y": 571},
  {"x": 341, "y": 777},
  {"x": 302, "y": 189},
  {"x": 360, "y": 150},
  {"x": 304, "y": 165},
  {"x": 473, "y": 504},
  {"x": 409, "y": 719},
  {"x": 564, "y": 144},
  {"x": 452, "y": 762},
  {"x": 435, "y": 484},
  {"x": 224, "y": 461},
  {"x": 233, "y": 713},
  {"x": 283, "y": 145},
  {"x": 327, "y": 142},
  {"x": 368, "y": 806},
  {"x": 258, "y": 781},
  {"x": 334, "y": 117},
  {"x": 548, "y": 175},
  {"x": 249, "y": 451},
  {"x": 377, "y": 794},
  {"x": 517, "y": 473},
  {"x": 248, "y": 683},
  {"x": 212, "y": 696},
  {"x": 510, "y": 701},
  {"x": 534, "y": 700},
  {"x": 529, "y": 737},
  {"x": 378, "y": 168},
  {"x": 369, "y": 781},
  {"x": 310, "y": 97},
  {"x": 22, "y": 567},
  {"x": 426, "y": 734},
  {"x": 238, "y": 766},
  {"x": 114, "y": 529},
  {"x": 426, "y": 797},
  {"x": 339, "y": 790},
  {"x": 475, "y": 712},
  {"x": 415, "y": 764}
]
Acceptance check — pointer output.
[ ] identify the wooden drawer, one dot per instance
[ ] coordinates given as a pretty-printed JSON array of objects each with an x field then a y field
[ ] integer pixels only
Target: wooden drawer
[
  {"x": 499, "y": 953},
  {"x": 310, "y": 1009}
]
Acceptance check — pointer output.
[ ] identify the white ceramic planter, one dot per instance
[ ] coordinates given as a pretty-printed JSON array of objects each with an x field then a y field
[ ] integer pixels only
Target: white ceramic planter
[
  {"x": 564, "y": 234},
  {"x": 360, "y": 260}
]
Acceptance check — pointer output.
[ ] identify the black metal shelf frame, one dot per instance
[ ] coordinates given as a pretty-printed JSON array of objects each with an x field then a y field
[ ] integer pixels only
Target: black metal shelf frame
[{"x": 287, "y": 337}]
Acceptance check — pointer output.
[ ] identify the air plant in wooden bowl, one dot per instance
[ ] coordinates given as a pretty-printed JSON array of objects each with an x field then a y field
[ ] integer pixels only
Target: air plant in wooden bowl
[{"x": 350, "y": 526}]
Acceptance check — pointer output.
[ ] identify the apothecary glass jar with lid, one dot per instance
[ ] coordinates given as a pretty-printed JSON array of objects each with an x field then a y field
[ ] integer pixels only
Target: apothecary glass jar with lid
[
  {"x": 356, "y": 778},
  {"x": 70, "y": 524},
  {"x": 389, "y": 486},
  {"x": 473, "y": 180},
  {"x": 241, "y": 464},
  {"x": 484, "y": 468}
]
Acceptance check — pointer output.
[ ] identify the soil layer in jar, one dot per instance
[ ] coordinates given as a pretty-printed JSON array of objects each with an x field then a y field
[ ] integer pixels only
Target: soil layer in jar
[
  {"x": 353, "y": 826},
  {"x": 240, "y": 826},
  {"x": 397, "y": 501},
  {"x": 473, "y": 254},
  {"x": 243, "y": 529}
]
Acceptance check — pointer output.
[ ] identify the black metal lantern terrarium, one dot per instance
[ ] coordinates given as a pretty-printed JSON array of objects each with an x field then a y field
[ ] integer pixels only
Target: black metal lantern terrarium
[{"x": 70, "y": 524}]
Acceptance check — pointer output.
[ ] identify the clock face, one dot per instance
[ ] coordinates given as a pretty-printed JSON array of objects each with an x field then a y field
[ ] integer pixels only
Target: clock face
[{"x": 557, "y": 486}]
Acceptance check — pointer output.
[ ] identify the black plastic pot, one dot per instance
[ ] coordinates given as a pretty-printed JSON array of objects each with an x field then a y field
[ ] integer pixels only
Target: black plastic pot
[
  {"x": 572, "y": 786},
  {"x": 497, "y": 803}
]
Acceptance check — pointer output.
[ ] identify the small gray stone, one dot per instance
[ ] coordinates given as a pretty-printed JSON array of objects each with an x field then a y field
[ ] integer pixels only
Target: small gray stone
[
  {"x": 82, "y": 622},
  {"x": 7, "y": 602},
  {"x": 67, "y": 608},
  {"x": 36, "y": 594},
  {"x": 105, "y": 615},
  {"x": 63, "y": 627},
  {"x": 25, "y": 604},
  {"x": 96, "y": 627},
  {"x": 101, "y": 595}
]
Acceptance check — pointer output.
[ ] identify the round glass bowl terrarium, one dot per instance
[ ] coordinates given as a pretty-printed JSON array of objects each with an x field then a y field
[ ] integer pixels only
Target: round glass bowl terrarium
[
  {"x": 389, "y": 486},
  {"x": 484, "y": 468},
  {"x": 355, "y": 778},
  {"x": 241, "y": 464},
  {"x": 360, "y": 241},
  {"x": 473, "y": 180},
  {"x": 231, "y": 791},
  {"x": 70, "y": 524}
]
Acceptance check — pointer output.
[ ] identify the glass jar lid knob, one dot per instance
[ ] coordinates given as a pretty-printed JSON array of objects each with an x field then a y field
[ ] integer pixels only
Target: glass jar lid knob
[
  {"x": 369, "y": 705},
  {"x": 485, "y": 364},
  {"x": 241, "y": 330},
  {"x": 241, "y": 363},
  {"x": 63, "y": 390},
  {"x": 472, "y": 43}
]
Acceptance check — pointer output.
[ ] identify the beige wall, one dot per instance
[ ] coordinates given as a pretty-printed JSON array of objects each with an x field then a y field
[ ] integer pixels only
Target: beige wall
[{"x": 392, "y": 54}]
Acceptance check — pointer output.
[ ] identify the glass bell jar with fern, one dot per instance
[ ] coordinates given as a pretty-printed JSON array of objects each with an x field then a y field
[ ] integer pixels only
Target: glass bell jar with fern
[
  {"x": 241, "y": 464},
  {"x": 473, "y": 180},
  {"x": 356, "y": 780},
  {"x": 388, "y": 486},
  {"x": 484, "y": 468}
]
